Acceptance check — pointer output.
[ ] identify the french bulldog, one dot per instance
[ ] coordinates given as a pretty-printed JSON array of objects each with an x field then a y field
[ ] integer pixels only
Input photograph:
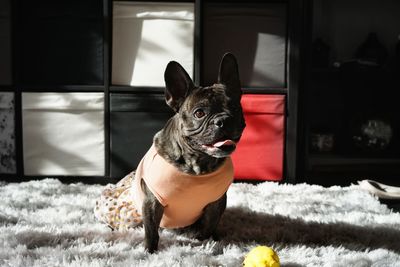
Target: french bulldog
[{"x": 181, "y": 182}]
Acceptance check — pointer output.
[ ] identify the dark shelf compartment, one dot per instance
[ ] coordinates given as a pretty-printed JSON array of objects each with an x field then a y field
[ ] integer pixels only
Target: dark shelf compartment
[
  {"x": 329, "y": 170},
  {"x": 351, "y": 90},
  {"x": 59, "y": 43},
  {"x": 330, "y": 160}
]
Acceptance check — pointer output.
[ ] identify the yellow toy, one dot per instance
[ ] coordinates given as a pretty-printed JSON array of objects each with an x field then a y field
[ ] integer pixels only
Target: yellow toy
[{"x": 261, "y": 256}]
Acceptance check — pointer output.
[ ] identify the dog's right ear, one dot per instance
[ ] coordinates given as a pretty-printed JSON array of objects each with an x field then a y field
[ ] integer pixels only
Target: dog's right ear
[
  {"x": 178, "y": 84},
  {"x": 229, "y": 75}
]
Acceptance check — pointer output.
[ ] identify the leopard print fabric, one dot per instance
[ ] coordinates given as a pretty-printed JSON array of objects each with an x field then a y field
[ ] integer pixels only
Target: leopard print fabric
[{"x": 115, "y": 206}]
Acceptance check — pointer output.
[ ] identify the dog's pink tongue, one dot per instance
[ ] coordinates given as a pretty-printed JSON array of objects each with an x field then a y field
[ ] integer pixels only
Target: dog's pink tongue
[{"x": 224, "y": 143}]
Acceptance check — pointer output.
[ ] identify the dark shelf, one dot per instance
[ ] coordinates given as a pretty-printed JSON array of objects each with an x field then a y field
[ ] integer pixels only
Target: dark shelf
[
  {"x": 336, "y": 160},
  {"x": 350, "y": 169}
]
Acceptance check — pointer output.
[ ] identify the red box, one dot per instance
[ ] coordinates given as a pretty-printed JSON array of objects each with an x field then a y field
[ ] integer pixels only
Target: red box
[{"x": 259, "y": 154}]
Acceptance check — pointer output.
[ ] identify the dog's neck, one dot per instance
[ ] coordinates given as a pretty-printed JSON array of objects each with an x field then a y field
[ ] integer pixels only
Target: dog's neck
[{"x": 175, "y": 150}]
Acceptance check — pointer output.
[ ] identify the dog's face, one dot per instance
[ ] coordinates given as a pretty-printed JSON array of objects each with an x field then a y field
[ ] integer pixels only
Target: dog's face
[{"x": 210, "y": 118}]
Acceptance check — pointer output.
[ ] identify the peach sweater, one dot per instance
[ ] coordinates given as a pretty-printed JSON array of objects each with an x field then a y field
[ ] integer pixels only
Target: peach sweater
[{"x": 183, "y": 196}]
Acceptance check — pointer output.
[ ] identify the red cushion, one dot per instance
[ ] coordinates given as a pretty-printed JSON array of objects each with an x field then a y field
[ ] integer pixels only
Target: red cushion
[{"x": 259, "y": 154}]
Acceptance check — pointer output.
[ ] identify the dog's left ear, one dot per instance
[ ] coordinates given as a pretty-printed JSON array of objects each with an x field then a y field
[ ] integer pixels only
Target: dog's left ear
[
  {"x": 229, "y": 74},
  {"x": 178, "y": 84}
]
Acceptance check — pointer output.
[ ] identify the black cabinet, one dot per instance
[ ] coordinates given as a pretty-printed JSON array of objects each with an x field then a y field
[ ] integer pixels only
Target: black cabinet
[{"x": 351, "y": 126}]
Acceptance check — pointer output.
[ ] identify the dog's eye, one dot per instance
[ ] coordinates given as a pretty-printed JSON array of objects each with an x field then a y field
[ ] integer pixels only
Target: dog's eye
[{"x": 199, "y": 113}]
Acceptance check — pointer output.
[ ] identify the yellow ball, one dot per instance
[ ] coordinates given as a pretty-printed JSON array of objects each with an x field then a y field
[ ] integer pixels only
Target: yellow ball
[{"x": 261, "y": 256}]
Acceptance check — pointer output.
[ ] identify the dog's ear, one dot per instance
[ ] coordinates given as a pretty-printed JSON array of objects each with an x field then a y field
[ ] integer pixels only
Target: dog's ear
[
  {"x": 229, "y": 74},
  {"x": 178, "y": 84}
]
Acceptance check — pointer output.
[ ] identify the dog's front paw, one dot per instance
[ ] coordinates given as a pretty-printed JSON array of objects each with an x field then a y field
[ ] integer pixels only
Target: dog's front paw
[
  {"x": 205, "y": 236},
  {"x": 151, "y": 245},
  {"x": 216, "y": 237},
  {"x": 151, "y": 249}
]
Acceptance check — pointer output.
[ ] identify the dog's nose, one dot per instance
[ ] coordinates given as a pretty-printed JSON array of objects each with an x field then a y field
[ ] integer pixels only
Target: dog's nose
[
  {"x": 222, "y": 121},
  {"x": 219, "y": 123}
]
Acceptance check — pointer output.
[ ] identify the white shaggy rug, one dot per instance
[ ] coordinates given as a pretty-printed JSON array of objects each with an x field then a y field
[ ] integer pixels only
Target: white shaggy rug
[{"x": 47, "y": 223}]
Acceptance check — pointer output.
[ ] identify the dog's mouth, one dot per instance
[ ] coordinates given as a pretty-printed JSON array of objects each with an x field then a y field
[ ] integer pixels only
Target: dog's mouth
[{"x": 227, "y": 146}]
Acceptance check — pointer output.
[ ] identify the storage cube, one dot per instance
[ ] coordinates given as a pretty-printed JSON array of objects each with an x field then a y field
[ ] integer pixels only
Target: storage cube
[
  {"x": 60, "y": 42},
  {"x": 134, "y": 121},
  {"x": 146, "y": 36},
  {"x": 5, "y": 42},
  {"x": 259, "y": 154},
  {"x": 255, "y": 33},
  {"x": 63, "y": 133},
  {"x": 7, "y": 135}
]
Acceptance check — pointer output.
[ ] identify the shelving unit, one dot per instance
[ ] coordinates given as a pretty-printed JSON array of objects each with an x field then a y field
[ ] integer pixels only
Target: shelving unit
[
  {"x": 351, "y": 92},
  {"x": 84, "y": 80}
]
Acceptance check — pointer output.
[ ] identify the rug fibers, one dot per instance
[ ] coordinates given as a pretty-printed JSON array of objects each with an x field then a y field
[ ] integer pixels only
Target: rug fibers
[{"x": 47, "y": 223}]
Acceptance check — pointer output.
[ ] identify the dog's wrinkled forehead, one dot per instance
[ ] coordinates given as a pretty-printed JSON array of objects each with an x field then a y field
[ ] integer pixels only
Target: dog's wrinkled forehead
[{"x": 215, "y": 96}]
